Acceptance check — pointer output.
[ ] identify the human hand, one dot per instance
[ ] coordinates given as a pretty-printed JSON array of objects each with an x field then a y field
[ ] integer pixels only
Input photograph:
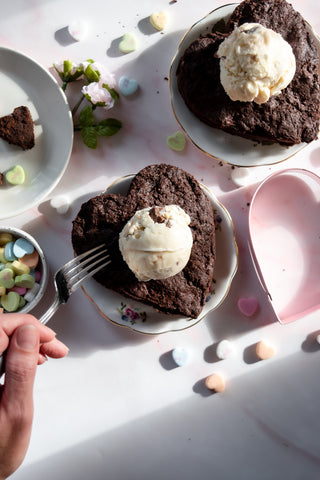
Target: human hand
[{"x": 28, "y": 343}]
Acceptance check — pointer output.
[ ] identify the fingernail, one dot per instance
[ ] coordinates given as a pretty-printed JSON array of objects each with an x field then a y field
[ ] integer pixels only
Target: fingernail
[{"x": 27, "y": 337}]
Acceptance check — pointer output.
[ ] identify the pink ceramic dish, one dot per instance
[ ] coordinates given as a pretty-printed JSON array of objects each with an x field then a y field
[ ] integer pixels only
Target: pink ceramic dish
[{"x": 284, "y": 230}]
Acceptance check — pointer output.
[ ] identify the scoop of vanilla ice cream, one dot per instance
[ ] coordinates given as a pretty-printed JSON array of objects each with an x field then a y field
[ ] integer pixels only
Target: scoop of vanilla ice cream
[
  {"x": 156, "y": 242},
  {"x": 255, "y": 63}
]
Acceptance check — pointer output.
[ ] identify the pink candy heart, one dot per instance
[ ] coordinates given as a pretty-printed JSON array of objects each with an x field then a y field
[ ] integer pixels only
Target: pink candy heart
[{"x": 248, "y": 306}]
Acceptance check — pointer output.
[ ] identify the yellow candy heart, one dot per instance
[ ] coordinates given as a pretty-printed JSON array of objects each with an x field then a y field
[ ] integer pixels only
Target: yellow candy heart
[
  {"x": 5, "y": 237},
  {"x": 159, "y": 20}
]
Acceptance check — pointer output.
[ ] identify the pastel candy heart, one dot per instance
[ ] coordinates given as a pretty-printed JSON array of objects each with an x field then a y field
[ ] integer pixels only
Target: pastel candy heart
[
  {"x": 61, "y": 203},
  {"x": 19, "y": 268},
  {"x": 180, "y": 356},
  {"x": 128, "y": 43},
  {"x": 128, "y": 86},
  {"x": 31, "y": 259},
  {"x": 22, "y": 302},
  {"x": 10, "y": 301},
  {"x": 25, "y": 280},
  {"x": 22, "y": 247},
  {"x": 177, "y": 141},
  {"x": 19, "y": 290},
  {"x": 248, "y": 306},
  {"x": 224, "y": 349},
  {"x": 30, "y": 295},
  {"x": 159, "y": 20},
  {"x": 78, "y": 29},
  {"x": 215, "y": 382},
  {"x": 2, "y": 255},
  {"x": 5, "y": 238},
  {"x": 264, "y": 350},
  {"x": 7, "y": 278},
  {"x": 16, "y": 175},
  {"x": 9, "y": 253}
]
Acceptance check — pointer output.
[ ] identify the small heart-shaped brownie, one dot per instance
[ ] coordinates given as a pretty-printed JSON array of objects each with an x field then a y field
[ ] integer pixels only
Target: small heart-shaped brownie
[
  {"x": 288, "y": 118},
  {"x": 18, "y": 128},
  {"x": 102, "y": 218}
]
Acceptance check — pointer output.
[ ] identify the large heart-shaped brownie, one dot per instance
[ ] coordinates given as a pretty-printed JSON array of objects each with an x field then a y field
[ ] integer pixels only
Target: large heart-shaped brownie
[
  {"x": 101, "y": 219},
  {"x": 289, "y": 118}
]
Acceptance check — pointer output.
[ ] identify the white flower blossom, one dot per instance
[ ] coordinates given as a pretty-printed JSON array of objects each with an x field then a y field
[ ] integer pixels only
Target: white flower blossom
[
  {"x": 105, "y": 76},
  {"x": 98, "y": 95}
]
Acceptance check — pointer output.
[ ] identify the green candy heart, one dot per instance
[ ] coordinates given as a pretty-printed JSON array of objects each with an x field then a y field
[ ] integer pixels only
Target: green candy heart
[
  {"x": 16, "y": 175},
  {"x": 22, "y": 302},
  {"x": 11, "y": 301},
  {"x": 7, "y": 278},
  {"x": 25, "y": 280},
  {"x": 176, "y": 142},
  {"x": 128, "y": 43}
]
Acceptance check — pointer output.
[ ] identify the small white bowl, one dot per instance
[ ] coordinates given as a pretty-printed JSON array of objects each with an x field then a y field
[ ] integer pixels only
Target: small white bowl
[{"x": 42, "y": 265}]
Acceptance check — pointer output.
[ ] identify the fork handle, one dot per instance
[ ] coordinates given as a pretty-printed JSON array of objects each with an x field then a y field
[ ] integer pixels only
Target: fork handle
[
  {"x": 2, "y": 364},
  {"x": 51, "y": 310}
]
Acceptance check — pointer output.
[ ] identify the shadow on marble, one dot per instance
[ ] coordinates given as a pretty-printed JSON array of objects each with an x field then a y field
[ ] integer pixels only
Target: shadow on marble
[
  {"x": 264, "y": 425},
  {"x": 63, "y": 37}
]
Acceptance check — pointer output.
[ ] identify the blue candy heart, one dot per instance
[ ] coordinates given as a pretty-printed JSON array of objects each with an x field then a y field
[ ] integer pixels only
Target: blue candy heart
[
  {"x": 128, "y": 86},
  {"x": 22, "y": 247}
]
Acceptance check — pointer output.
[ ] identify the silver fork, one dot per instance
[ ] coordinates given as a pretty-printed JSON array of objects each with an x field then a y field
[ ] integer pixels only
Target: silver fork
[{"x": 69, "y": 278}]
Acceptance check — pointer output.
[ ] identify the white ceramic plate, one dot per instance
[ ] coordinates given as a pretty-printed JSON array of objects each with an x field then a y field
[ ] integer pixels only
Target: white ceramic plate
[
  {"x": 223, "y": 146},
  {"x": 145, "y": 319},
  {"x": 25, "y": 82}
]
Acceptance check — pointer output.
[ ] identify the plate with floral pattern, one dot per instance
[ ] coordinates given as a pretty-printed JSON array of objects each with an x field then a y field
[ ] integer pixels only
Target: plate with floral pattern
[{"x": 143, "y": 318}]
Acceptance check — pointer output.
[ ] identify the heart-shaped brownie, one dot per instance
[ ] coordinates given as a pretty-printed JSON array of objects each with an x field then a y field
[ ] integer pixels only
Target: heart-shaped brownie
[
  {"x": 102, "y": 218},
  {"x": 288, "y": 118},
  {"x": 18, "y": 128}
]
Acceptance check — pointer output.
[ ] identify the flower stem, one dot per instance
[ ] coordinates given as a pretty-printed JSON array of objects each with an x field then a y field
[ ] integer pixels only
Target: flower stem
[{"x": 77, "y": 105}]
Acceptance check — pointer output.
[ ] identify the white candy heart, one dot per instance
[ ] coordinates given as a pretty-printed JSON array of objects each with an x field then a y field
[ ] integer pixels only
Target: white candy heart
[
  {"x": 61, "y": 203},
  {"x": 224, "y": 349},
  {"x": 78, "y": 30}
]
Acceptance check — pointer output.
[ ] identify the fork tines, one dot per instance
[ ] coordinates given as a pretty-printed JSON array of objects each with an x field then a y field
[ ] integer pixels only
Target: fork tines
[{"x": 85, "y": 265}]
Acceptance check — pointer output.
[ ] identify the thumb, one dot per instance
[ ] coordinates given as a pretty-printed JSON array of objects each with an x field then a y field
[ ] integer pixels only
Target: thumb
[{"x": 21, "y": 365}]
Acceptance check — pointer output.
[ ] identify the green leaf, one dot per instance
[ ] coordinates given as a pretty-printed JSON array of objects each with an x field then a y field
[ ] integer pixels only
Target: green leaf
[
  {"x": 86, "y": 117},
  {"x": 108, "y": 127},
  {"x": 114, "y": 94},
  {"x": 90, "y": 137},
  {"x": 67, "y": 66},
  {"x": 92, "y": 75}
]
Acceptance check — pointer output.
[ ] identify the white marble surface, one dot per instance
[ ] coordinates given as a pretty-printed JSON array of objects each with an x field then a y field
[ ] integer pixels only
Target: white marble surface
[{"x": 115, "y": 407}]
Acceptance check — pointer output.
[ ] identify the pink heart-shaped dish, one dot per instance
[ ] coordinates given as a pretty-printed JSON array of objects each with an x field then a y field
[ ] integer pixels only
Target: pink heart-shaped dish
[{"x": 284, "y": 228}]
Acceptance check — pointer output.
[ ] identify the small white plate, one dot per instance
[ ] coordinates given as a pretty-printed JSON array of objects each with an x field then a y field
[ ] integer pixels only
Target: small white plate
[
  {"x": 25, "y": 82},
  {"x": 212, "y": 141},
  {"x": 145, "y": 319}
]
